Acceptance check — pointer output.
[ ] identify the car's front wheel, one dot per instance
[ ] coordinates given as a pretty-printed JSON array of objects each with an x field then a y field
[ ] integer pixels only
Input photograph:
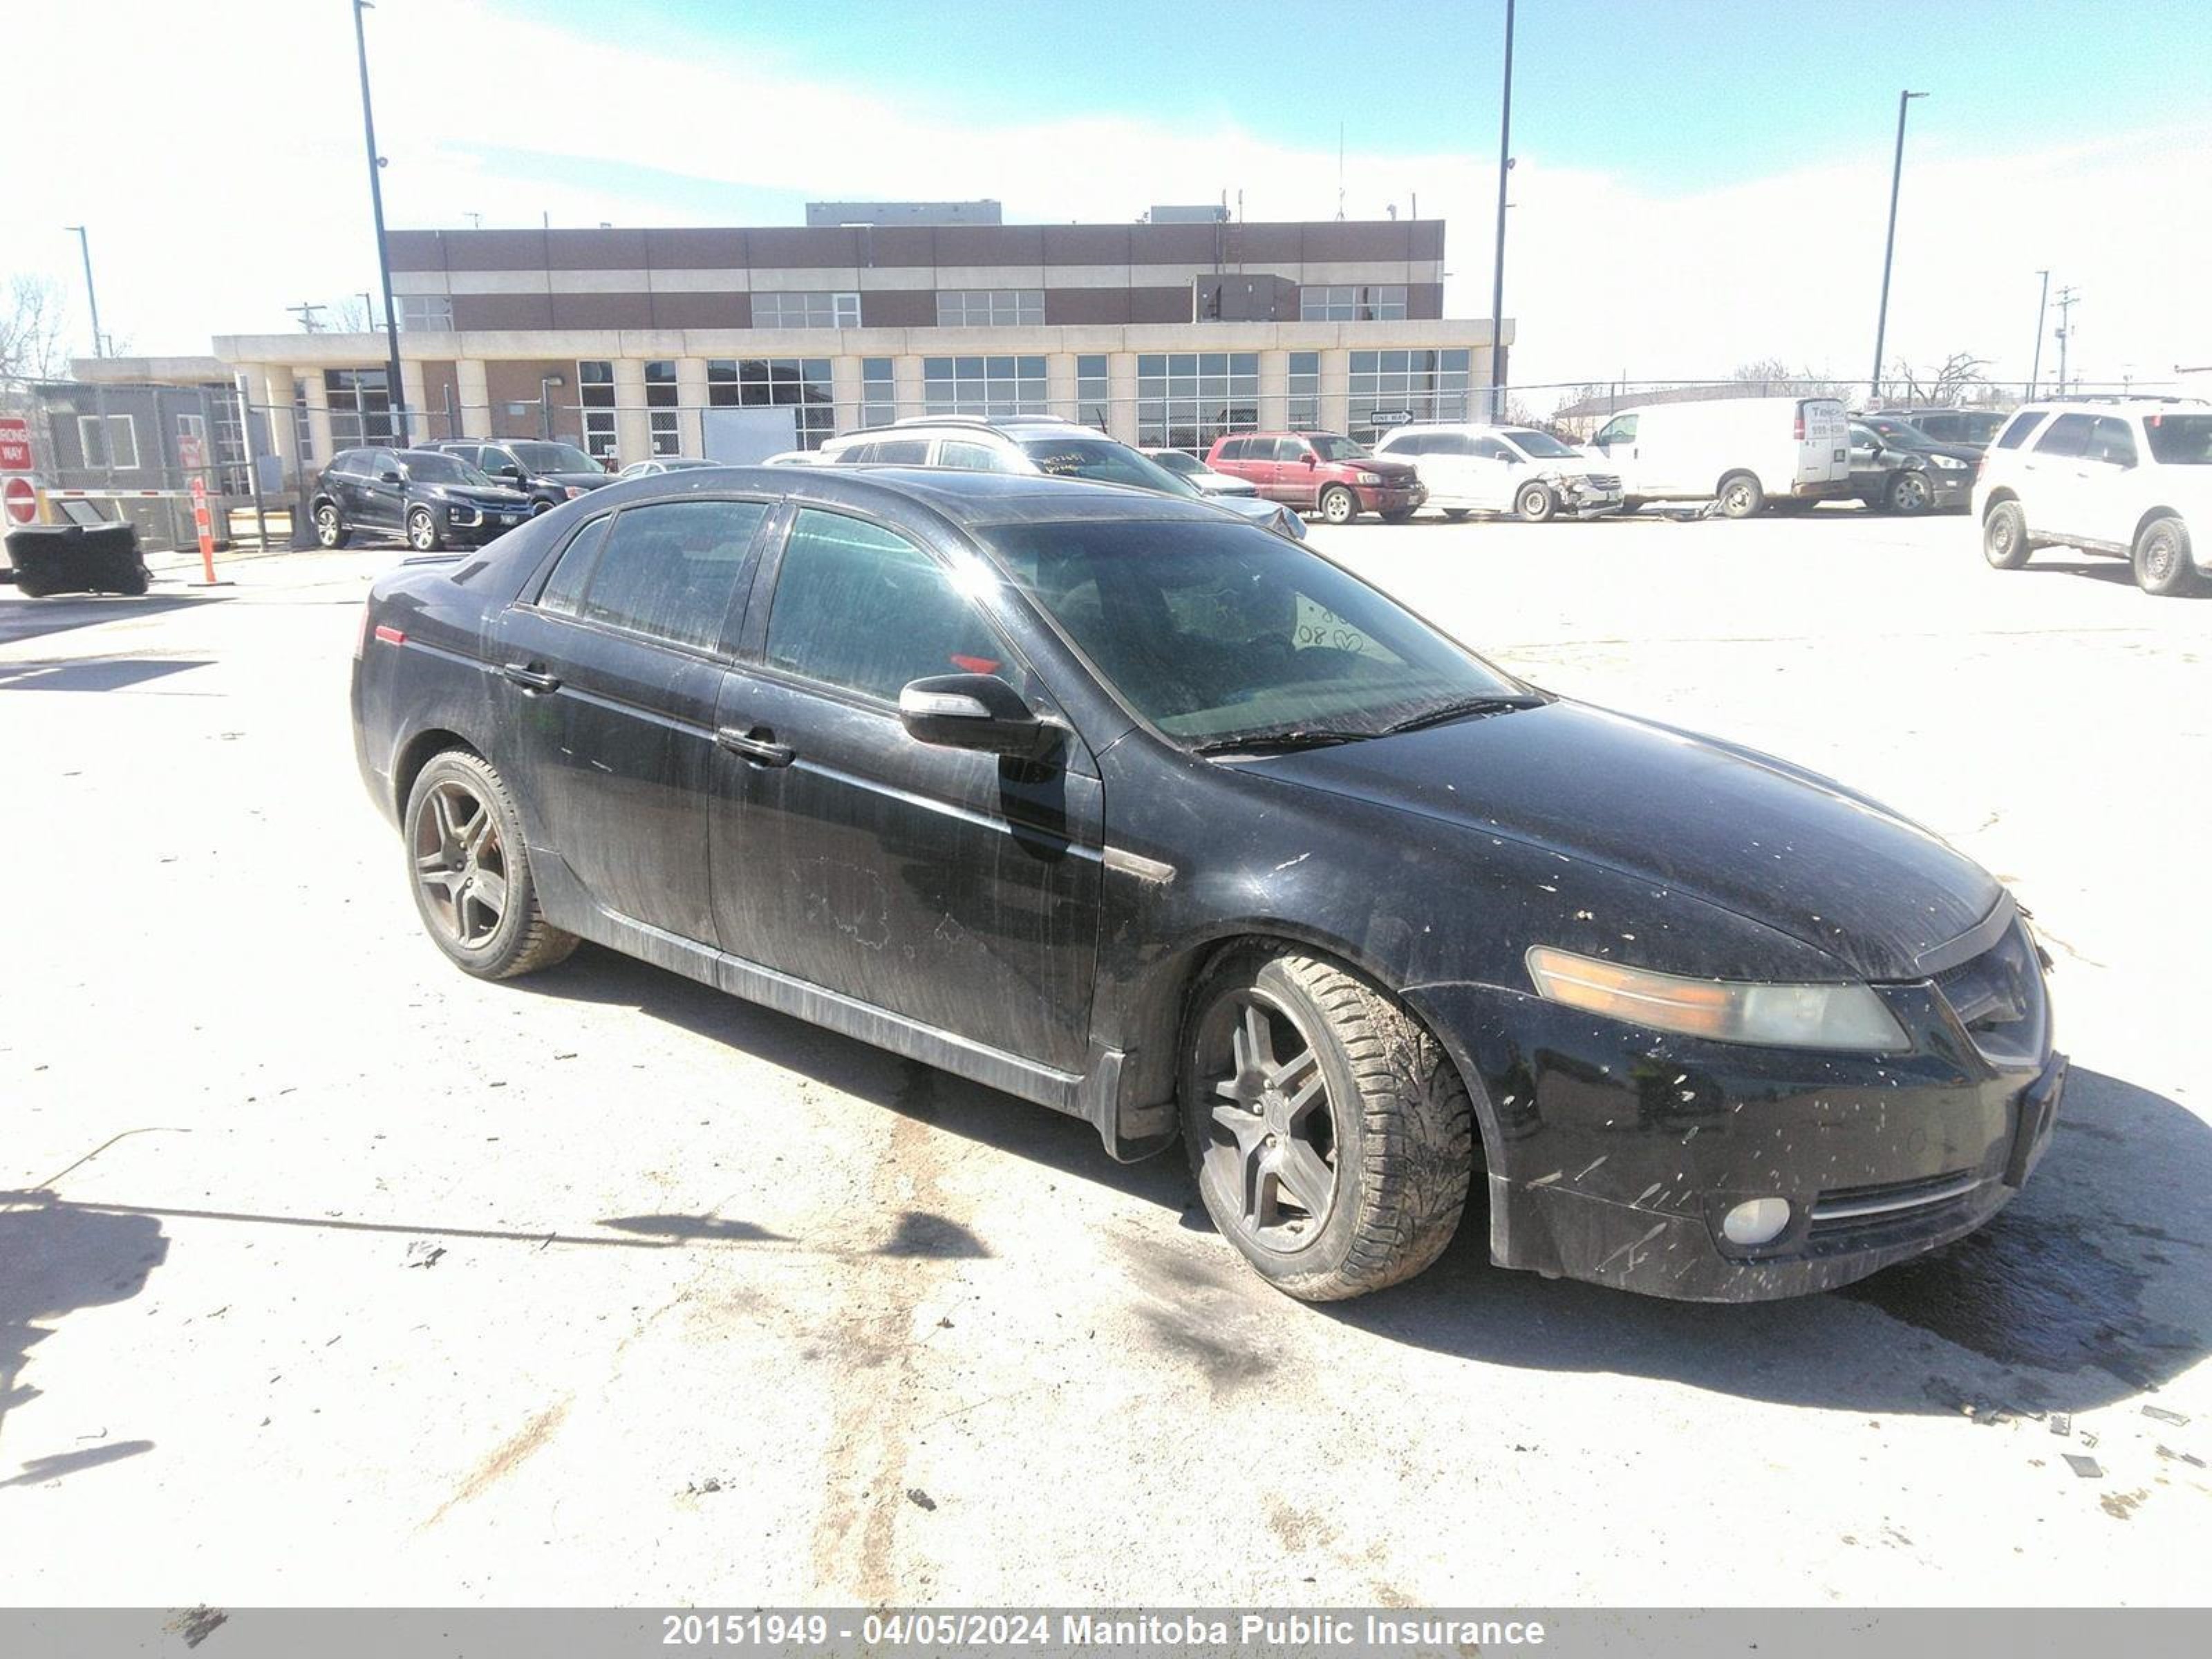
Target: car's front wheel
[
  {"x": 2004, "y": 535},
  {"x": 423, "y": 531},
  {"x": 1331, "y": 1137},
  {"x": 2162, "y": 563},
  {"x": 1536, "y": 503},
  {"x": 470, "y": 870},
  {"x": 330, "y": 529},
  {"x": 1339, "y": 505},
  {"x": 1908, "y": 494}
]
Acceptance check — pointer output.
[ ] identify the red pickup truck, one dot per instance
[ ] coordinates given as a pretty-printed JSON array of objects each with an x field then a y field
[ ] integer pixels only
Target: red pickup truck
[{"x": 1321, "y": 472}]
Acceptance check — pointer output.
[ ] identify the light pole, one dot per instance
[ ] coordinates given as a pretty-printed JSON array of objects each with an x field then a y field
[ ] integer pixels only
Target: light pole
[
  {"x": 1889, "y": 248},
  {"x": 2035, "y": 365},
  {"x": 396, "y": 394},
  {"x": 91, "y": 297},
  {"x": 1497, "y": 262}
]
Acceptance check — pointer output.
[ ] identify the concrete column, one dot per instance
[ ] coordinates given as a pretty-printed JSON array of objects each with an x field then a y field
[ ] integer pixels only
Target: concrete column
[
  {"x": 473, "y": 388},
  {"x": 691, "y": 398},
  {"x": 1060, "y": 386},
  {"x": 1274, "y": 390},
  {"x": 847, "y": 391},
  {"x": 906, "y": 386},
  {"x": 633, "y": 429},
  {"x": 1336, "y": 390},
  {"x": 410, "y": 388},
  {"x": 1121, "y": 397},
  {"x": 272, "y": 388},
  {"x": 319, "y": 421}
]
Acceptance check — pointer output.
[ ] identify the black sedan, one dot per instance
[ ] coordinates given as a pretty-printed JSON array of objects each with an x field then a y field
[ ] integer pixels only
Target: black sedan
[
  {"x": 1897, "y": 468},
  {"x": 1175, "y": 825},
  {"x": 432, "y": 499}
]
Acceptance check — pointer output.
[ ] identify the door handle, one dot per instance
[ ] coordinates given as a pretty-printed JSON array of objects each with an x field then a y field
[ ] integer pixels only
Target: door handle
[
  {"x": 531, "y": 677},
  {"x": 758, "y": 746}
]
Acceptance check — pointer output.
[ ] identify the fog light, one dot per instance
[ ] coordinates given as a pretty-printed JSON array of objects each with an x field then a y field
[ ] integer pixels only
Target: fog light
[{"x": 1758, "y": 1222}]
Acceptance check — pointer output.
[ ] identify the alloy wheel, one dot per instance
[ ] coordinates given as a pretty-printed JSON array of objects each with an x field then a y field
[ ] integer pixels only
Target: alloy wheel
[
  {"x": 422, "y": 532},
  {"x": 1909, "y": 493},
  {"x": 1272, "y": 1147},
  {"x": 326, "y": 525},
  {"x": 460, "y": 863}
]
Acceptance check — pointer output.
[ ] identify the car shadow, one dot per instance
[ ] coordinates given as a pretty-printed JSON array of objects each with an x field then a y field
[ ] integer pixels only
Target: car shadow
[
  {"x": 31, "y": 619},
  {"x": 2115, "y": 573},
  {"x": 94, "y": 673},
  {"x": 2060, "y": 1304},
  {"x": 54, "y": 1258}
]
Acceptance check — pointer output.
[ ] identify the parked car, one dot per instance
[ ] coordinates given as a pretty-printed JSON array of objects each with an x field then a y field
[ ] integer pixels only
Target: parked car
[
  {"x": 1127, "y": 808},
  {"x": 1967, "y": 428},
  {"x": 658, "y": 464},
  {"x": 1188, "y": 466},
  {"x": 1898, "y": 469},
  {"x": 549, "y": 472},
  {"x": 432, "y": 498},
  {"x": 1040, "y": 445},
  {"x": 1473, "y": 467},
  {"x": 2126, "y": 478},
  {"x": 1742, "y": 452},
  {"x": 1322, "y": 472}
]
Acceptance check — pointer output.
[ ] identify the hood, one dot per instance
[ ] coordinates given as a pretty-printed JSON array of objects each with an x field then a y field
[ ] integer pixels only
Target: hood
[
  {"x": 1383, "y": 466},
  {"x": 480, "y": 494},
  {"x": 580, "y": 480},
  {"x": 1775, "y": 844}
]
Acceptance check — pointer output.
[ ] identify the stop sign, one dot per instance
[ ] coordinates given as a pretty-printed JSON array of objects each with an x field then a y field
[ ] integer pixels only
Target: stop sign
[{"x": 21, "y": 501}]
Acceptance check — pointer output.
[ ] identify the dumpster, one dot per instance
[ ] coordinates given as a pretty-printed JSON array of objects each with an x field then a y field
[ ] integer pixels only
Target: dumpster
[{"x": 76, "y": 558}]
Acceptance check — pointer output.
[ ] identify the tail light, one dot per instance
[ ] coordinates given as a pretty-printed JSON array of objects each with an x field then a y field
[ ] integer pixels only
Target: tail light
[{"x": 1801, "y": 426}]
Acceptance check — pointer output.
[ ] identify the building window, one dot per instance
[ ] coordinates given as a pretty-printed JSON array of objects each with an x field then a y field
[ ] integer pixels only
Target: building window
[
  {"x": 361, "y": 406},
  {"x": 989, "y": 386},
  {"x": 1186, "y": 399},
  {"x": 806, "y": 311},
  {"x": 595, "y": 392},
  {"x": 1352, "y": 304},
  {"x": 426, "y": 312},
  {"x": 108, "y": 441},
  {"x": 1304, "y": 388},
  {"x": 800, "y": 383},
  {"x": 878, "y": 401},
  {"x": 990, "y": 308},
  {"x": 1093, "y": 404},
  {"x": 303, "y": 430},
  {"x": 660, "y": 407},
  {"x": 1428, "y": 385}
]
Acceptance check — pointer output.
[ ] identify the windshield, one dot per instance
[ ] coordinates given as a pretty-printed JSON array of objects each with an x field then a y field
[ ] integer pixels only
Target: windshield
[
  {"x": 2179, "y": 439},
  {"x": 1330, "y": 448},
  {"x": 554, "y": 457},
  {"x": 1540, "y": 446},
  {"x": 1103, "y": 461},
  {"x": 1220, "y": 631},
  {"x": 429, "y": 466},
  {"x": 1903, "y": 435},
  {"x": 1175, "y": 460}
]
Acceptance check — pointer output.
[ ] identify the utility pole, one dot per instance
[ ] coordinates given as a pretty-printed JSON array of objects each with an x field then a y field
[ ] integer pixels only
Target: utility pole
[
  {"x": 395, "y": 393},
  {"x": 2067, "y": 297},
  {"x": 1889, "y": 246},
  {"x": 91, "y": 298},
  {"x": 368, "y": 312},
  {"x": 2035, "y": 367},
  {"x": 1498, "y": 260},
  {"x": 310, "y": 316}
]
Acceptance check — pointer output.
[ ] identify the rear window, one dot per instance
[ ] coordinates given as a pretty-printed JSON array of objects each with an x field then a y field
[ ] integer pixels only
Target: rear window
[
  {"x": 2015, "y": 435},
  {"x": 1232, "y": 450},
  {"x": 2112, "y": 443},
  {"x": 2068, "y": 436},
  {"x": 2180, "y": 440}
]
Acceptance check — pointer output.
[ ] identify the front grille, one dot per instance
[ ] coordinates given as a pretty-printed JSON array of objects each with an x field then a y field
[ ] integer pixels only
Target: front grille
[
  {"x": 1605, "y": 480},
  {"x": 1998, "y": 997},
  {"x": 1890, "y": 1201}
]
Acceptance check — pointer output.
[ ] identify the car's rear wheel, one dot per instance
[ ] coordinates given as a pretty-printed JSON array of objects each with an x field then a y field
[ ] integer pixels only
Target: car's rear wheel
[
  {"x": 1331, "y": 1137},
  {"x": 1741, "y": 495},
  {"x": 1339, "y": 505},
  {"x": 2162, "y": 562},
  {"x": 470, "y": 870},
  {"x": 423, "y": 531},
  {"x": 330, "y": 529},
  {"x": 1907, "y": 494},
  {"x": 1536, "y": 503},
  {"x": 2004, "y": 535}
]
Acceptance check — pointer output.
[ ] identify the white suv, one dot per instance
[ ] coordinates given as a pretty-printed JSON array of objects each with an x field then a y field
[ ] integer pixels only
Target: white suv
[{"x": 2126, "y": 477}]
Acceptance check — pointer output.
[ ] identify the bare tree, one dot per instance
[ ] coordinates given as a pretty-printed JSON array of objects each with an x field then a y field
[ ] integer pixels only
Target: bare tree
[
  {"x": 33, "y": 319},
  {"x": 1948, "y": 383},
  {"x": 1777, "y": 377},
  {"x": 353, "y": 317}
]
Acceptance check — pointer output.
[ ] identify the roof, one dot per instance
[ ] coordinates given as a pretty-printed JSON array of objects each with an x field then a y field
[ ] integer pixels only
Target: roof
[{"x": 971, "y": 501}]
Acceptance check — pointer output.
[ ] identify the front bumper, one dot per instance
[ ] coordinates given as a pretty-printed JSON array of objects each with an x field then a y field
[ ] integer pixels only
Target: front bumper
[
  {"x": 1615, "y": 1152},
  {"x": 474, "y": 526},
  {"x": 1951, "y": 492},
  {"x": 1390, "y": 498}
]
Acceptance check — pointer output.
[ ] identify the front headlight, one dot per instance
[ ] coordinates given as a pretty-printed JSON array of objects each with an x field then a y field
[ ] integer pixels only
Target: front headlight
[
  {"x": 1367, "y": 478},
  {"x": 1949, "y": 464},
  {"x": 1726, "y": 1010},
  {"x": 569, "y": 492}
]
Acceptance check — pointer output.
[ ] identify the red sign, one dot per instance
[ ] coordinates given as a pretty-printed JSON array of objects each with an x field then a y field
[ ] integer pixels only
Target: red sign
[
  {"x": 21, "y": 501},
  {"x": 191, "y": 455},
  {"x": 14, "y": 443}
]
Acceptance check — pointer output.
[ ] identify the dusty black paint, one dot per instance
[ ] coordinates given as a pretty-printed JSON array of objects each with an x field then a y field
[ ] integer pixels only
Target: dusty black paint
[{"x": 1033, "y": 928}]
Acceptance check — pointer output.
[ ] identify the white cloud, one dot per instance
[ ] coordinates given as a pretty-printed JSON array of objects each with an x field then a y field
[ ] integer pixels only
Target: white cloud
[{"x": 222, "y": 174}]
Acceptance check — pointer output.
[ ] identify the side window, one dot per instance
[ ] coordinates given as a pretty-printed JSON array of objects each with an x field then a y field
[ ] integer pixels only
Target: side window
[
  {"x": 2112, "y": 443},
  {"x": 467, "y": 454},
  {"x": 347, "y": 462},
  {"x": 1413, "y": 443},
  {"x": 900, "y": 452},
  {"x": 1489, "y": 449},
  {"x": 669, "y": 569},
  {"x": 381, "y": 461},
  {"x": 1290, "y": 449},
  {"x": 1233, "y": 450},
  {"x": 1621, "y": 430},
  {"x": 2066, "y": 435},
  {"x": 1941, "y": 427},
  {"x": 970, "y": 458},
  {"x": 1451, "y": 443},
  {"x": 491, "y": 458},
  {"x": 860, "y": 607},
  {"x": 2015, "y": 434}
]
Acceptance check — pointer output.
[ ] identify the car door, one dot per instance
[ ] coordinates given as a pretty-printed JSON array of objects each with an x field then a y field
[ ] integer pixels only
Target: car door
[
  {"x": 1616, "y": 441},
  {"x": 1491, "y": 474},
  {"x": 2104, "y": 484},
  {"x": 1449, "y": 472},
  {"x": 2054, "y": 476},
  {"x": 951, "y": 888},
  {"x": 378, "y": 493},
  {"x": 1294, "y": 475},
  {"x": 609, "y": 676}
]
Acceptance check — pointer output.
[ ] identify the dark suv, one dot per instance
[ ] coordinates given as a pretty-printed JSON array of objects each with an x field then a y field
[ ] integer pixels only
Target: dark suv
[
  {"x": 430, "y": 498},
  {"x": 1322, "y": 472},
  {"x": 550, "y": 472}
]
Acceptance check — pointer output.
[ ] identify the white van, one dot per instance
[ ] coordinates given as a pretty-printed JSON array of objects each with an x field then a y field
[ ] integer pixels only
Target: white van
[
  {"x": 1741, "y": 451},
  {"x": 1475, "y": 468}
]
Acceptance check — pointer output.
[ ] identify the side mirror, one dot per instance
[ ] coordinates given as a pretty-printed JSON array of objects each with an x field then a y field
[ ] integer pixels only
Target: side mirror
[
  {"x": 508, "y": 471},
  {"x": 387, "y": 477},
  {"x": 1312, "y": 460},
  {"x": 974, "y": 711},
  {"x": 1510, "y": 460}
]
